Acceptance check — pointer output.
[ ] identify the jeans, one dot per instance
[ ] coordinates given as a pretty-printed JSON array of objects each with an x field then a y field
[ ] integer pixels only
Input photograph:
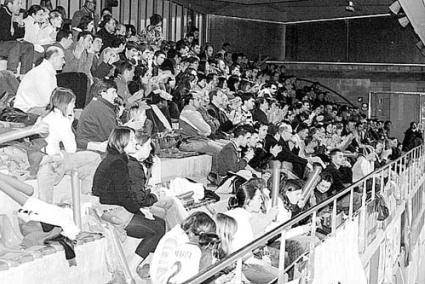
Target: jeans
[
  {"x": 171, "y": 209},
  {"x": 150, "y": 230},
  {"x": 204, "y": 146},
  {"x": 51, "y": 172},
  {"x": 17, "y": 51}
]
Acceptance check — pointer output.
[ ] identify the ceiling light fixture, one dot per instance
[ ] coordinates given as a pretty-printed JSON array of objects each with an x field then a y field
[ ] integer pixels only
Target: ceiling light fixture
[{"x": 350, "y": 7}]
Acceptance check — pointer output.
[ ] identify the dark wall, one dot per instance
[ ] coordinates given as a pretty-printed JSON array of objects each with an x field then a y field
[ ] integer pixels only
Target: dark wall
[
  {"x": 251, "y": 38},
  {"x": 363, "y": 40}
]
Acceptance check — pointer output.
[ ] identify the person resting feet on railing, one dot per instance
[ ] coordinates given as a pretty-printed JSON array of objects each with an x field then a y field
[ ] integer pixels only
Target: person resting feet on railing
[
  {"x": 33, "y": 209},
  {"x": 57, "y": 162}
]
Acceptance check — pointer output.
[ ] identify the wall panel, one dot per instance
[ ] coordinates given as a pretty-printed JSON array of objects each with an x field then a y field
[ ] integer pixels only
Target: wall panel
[
  {"x": 179, "y": 21},
  {"x": 134, "y": 15},
  {"x": 173, "y": 11},
  {"x": 165, "y": 19},
  {"x": 251, "y": 38},
  {"x": 142, "y": 14},
  {"x": 149, "y": 10}
]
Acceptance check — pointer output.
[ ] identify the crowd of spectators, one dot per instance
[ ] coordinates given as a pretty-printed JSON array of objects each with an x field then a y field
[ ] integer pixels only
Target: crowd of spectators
[{"x": 140, "y": 87}]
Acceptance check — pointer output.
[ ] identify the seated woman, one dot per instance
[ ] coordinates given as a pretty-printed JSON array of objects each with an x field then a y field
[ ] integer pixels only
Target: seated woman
[
  {"x": 120, "y": 201},
  {"x": 140, "y": 167},
  {"x": 245, "y": 207},
  {"x": 185, "y": 250},
  {"x": 57, "y": 162}
]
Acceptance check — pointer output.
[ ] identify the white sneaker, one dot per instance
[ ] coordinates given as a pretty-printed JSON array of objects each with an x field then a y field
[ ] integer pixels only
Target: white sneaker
[{"x": 37, "y": 210}]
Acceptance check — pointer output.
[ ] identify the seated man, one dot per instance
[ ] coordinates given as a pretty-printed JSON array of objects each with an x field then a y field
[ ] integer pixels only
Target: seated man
[
  {"x": 195, "y": 129},
  {"x": 214, "y": 109},
  {"x": 98, "y": 118},
  {"x": 293, "y": 162},
  {"x": 36, "y": 88},
  {"x": 342, "y": 175},
  {"x": 229, "y": 158},
  {"x": 15, "y": 51},
  {"x": 80, "y": 58},
  {"x": 340, "y": 170}
]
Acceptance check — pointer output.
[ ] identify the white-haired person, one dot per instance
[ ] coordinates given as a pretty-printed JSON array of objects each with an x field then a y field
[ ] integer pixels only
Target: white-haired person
[{"x": 34, "y": 92}]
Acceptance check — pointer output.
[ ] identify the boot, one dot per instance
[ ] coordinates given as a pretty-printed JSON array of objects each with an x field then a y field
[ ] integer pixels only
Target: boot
[{"x": 37, "y": 210}]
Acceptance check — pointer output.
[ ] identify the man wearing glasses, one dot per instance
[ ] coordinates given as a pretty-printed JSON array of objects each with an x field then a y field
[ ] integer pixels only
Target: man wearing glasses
[{"x": 89, "y": 9}]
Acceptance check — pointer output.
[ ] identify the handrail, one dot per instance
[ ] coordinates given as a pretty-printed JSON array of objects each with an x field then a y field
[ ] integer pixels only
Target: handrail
[
  {"x": 327, "y": 88},
  {"x": 216, "y": 268},
  {"x": 23, "y": 132}
]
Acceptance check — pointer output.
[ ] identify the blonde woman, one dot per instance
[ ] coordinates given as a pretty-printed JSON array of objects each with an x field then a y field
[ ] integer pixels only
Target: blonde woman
[{"x": 59, "y": 162}]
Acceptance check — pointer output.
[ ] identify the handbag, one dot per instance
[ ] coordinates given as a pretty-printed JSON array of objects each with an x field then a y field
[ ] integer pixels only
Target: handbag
[{"x": 10, "y": 114}]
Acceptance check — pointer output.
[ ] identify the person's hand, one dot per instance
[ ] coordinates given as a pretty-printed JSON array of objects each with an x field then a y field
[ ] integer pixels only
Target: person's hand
[
  {"x": 91, "y": 48},
  {"x": 138, "y": 95},
  {"x": 249, "y": 155},
  {"x": 275, "y": 150},
  {"x": 71, "y": 116},
  {"x": 42, "y": 127},
  {"x": 113, "y": 58},
  {"x": 346, "y": 163},
  {"x": 79, "y": 48}
]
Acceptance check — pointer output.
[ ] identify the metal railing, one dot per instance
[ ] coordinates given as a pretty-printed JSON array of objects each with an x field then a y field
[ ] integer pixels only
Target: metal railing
[
  {"x": 41, "y": 128},
  {"x": 407, "y": 172}
]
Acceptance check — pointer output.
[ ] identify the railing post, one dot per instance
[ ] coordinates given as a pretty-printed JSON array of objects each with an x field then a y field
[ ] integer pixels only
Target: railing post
[
  {"x": 362, "y": 227},
  {"x": 276, "y": 165},
  {"x": 281, "y": 278},
  {"x": 76, "y": 201},
  {"x": 310, "y": 270},
  {"x": 238, "y": 276}
]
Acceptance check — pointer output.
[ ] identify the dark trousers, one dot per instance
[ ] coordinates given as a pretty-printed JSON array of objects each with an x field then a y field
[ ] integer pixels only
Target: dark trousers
[
  {"x": 150, "y": 230},
  {"x": 16, "y": 52}
]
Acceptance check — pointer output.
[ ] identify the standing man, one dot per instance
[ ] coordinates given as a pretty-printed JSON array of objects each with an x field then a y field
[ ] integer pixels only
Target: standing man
[
  {"x": 15, "y": 51},
  {"x": 89, "y": 9}
]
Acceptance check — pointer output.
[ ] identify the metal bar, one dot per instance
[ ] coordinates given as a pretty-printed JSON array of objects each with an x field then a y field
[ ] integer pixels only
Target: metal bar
[
  {"x": 281, "y": 278},
  {"x": 334, "y": 216},
  {"x": 329, "y": 89},
  {"x": 22, "y": 133},
  {"x": 350, "y": 63},
  {"x": 276, "y": 165},
  {"x": 310, "y": 272},
  {"x": 76, "y": 199},
  {"x": 307, "y": 21},
  {"x": 238, "y": 276},
  {"x": 350, "y": 208},
  {"x": 205, "y": 275}
]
